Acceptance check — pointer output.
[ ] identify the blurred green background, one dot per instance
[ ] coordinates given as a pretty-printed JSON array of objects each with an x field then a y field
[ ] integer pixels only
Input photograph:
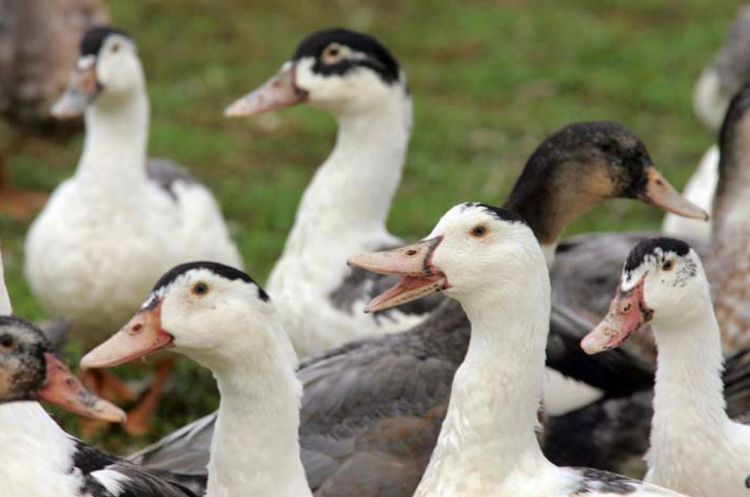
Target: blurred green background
[{"x": 489, "y": 79}]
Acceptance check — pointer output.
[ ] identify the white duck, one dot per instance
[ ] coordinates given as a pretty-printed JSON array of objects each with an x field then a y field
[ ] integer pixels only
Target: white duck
[
  {"x": 38, "y": 458},
  {"x": 718, "y": 83},
  {"x": 345, "y": 207},
  {"x": 489, "y": 260},
  {"x": 221, "y": 318},
  {"x": 695, "y": 447},
  {"x": 106, "y": 233}
]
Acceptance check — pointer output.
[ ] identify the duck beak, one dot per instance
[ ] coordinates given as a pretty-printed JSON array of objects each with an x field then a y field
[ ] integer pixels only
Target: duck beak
[
  {"x": 660, "y": 193},
  {"x": 82, "y": 88},
  {"x": 413, "y": 263},
  {"x": 65, "y": 390},
  {"x": 278, "y": 92},
  {"x": 627, "y": 313},
  {"x": 141, "y": 336}
]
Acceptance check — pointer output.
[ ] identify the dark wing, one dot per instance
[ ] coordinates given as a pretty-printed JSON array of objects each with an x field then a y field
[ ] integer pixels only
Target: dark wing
[
  {"x": 615, "y": 435},
  {"x": 101, "y": 473},
  {"x": 617, "y": 372},
  {"x": 360, "y": 286},
  {"x": 371, "y": 410},
  {"x": 183, "y": 454},
  {"x": 166, "y": 173},
  {"x": 737, "y": 385}
]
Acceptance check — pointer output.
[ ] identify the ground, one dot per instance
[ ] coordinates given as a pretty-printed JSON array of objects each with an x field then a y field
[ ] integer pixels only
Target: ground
[{"x": 489, "y": 79}]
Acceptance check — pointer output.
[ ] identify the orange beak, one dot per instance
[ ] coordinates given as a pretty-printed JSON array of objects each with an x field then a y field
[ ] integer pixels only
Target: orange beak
[
  {"x": 413, "y": 263},
  {"x": 142, "y": 335},
  {"x": 628, "y": 312},
  {"x": 82, "y": 88},
  {"x": 278, "y": 92},
  {"x": 660, "y": 193},
  {"x": 65, "y": 390}
]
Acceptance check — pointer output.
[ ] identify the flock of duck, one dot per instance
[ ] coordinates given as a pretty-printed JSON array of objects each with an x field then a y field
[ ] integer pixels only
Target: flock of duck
[{"x": 473, "y": 371}]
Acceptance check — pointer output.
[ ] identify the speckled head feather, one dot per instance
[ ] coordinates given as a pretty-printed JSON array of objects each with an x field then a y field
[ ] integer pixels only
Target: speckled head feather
[
  {"x": 222, "y": 270},
  {"x": 652, "y": 247},
  {"x": 376, "y": 56},
  {"x": 22, "y": 363},
  {"x": 94, "y": 39}
]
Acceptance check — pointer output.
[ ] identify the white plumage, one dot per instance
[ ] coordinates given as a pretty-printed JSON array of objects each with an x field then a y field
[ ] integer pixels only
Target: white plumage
[{"x": 110, "y": 230}]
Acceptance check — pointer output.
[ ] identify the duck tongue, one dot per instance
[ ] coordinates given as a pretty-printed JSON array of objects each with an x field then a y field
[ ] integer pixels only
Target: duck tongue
[
  {"x": 413, "y": 263},
  {"x": 407, "y": 289}
]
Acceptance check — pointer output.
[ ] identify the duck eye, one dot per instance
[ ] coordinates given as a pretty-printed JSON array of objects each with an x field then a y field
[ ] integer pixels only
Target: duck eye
[
  {"x": 200, "y": 288},
  {"x": 667, "y": 266},
  {"x": 332, "y": 54},
  {"x": 479, "y": 231},
  {"x": 7, "y": 342},
  {"x": 115, "y": 47}
]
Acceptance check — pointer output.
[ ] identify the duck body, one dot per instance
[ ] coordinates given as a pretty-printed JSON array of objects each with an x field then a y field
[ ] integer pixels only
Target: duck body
[
  {"x": 487, "y": 445},
  {"x": 219, "y": 317},
  {"x": 345, "y": 207},
  {"x": 95, "y": 248},
  {"x": 695, "y": 447}
]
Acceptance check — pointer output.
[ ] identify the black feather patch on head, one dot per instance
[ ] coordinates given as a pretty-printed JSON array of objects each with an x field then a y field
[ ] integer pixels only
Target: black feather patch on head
[
  {"x": 94, "y": 39},
  {"x": 222, "y": 270},
  {"x": 497, "y": 212},
  {"x": 377, "y": 57},
  {"x": 649, "y": 247}
]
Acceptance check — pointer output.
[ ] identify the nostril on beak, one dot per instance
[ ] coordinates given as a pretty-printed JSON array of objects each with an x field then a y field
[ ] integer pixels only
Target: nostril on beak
[
  {"x": 411, "y": 252},
  {"x": 137, "y": 327}
]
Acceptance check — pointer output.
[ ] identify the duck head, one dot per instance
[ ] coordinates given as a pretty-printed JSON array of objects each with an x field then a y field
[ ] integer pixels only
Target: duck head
[
  {"x": 204, "y": 310},
  {"x": 660, "y": 278},
  {"x": 473, "y": 248},
  {"x": 29, "y": 370},
  {"x": 107, "y": 70},
  {"x": 336, "y": 70},
  {"x": 580, "y": 166}
]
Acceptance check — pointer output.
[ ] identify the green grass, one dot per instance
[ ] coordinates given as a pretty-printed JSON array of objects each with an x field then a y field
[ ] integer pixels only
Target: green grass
[{"x": 490, "y": 80}]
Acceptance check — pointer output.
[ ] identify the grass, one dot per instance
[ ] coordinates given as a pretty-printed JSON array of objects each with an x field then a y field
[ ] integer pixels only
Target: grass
[{"x": 490, "y": 80}]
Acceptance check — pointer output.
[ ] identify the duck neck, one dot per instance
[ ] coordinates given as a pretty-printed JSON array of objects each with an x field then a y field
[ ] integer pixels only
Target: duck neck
[
  {"x": 114, "y": 152},
  {"x": 492, "y": 416},
  {"x": 351, "y": 193},
  {"x": 689, "y": 355},
  {"x": 255, "y": 448}
]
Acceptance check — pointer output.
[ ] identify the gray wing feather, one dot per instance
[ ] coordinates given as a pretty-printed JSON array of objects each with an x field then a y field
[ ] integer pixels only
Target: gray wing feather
[{"x": 166, "y": 173}]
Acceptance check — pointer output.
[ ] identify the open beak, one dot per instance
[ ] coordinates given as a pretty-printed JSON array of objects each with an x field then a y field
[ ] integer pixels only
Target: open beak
[
  {"x": 143, "y": 335},
  {"x": 65, "y": 390},
  {"x": 82, "y": 89},
  {"x": 413, "y": 263},
  {"x": 627, "y": 313},
  {"x": 660, "y": 193},
  {"x": 278, "y": 92}
]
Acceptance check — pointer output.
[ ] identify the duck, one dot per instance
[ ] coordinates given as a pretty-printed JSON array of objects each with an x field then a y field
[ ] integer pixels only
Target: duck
[
  {"x": 38, "y": 45},
  {"x": 372, "y": 409},
  {"x": 695, "y": 447},
  {"x": 490, "y": 261},
  {"x": 219, "y": 317},
  {"x": 90, "y": 255},
  {"x": 38, "y": 457},
  {"x": 713, "y": 91},
  {"x": 344, "y": 209}
]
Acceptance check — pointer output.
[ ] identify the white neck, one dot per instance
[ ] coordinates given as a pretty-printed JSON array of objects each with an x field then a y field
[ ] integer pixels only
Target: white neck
[
  {"x": 36, "y": 455},
  {"x": 689, "y": 386},
  {"x": 489, "y": 429},
  {"x": 351, "y": 193},
  {"x": 114, "y": 153},
  {"x": 5, "y": 307},
  {"x": 255, "y": 448}
]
